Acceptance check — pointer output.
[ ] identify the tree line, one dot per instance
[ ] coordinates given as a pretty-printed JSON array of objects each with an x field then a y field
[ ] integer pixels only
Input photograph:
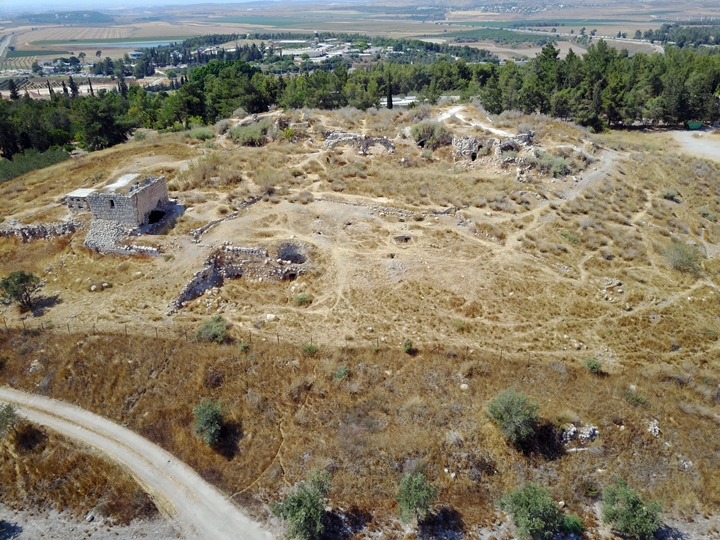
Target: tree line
[{"x": 605, "y": 87}]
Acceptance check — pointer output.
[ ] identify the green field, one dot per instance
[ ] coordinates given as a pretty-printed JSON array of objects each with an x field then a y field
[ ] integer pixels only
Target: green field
[
  {"x": 129, "y": 41},
  {"x": 23, "y": 54},
  {"x": 270, "y": 21}
]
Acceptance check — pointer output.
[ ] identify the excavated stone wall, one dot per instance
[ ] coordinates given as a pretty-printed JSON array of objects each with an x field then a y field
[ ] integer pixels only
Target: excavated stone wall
[
  {"x": 28, "y": 233},
  {"x": 360, "y": 142}
]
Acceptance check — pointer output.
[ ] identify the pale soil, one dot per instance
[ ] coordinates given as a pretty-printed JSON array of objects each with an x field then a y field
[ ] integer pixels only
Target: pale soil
[
  {"x": 701, "y": 143},
  {"x": 190, "y": 504},
  {"x": 30, "y": 525}
]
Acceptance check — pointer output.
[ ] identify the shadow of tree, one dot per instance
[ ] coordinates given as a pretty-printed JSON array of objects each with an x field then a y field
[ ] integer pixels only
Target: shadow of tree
[
  {"x": 445, "y": 523},
  {"x": 666, "y": 532},
  {"x": 546, "y": 441},
  {"x": 9, "y": 530},
  {"x": 343, "y": 525},
  {"x": 42, "y": 303},
  {"x": 29, "y": 437},
  {"x": 230, "y": 436}
]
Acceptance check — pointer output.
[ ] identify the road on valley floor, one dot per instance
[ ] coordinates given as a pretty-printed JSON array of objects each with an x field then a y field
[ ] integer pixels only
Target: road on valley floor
[{"x": 194, "y": 507}]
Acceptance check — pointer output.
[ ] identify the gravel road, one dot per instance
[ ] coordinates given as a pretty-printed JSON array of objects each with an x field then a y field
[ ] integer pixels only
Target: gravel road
[{"x": 195, "y": 508}]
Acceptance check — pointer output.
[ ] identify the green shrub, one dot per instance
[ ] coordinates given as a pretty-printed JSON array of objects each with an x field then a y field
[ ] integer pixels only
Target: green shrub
[
  {"x": 209, "y": 418},
  {"x": 628, "y": 513},
  {"x": 309, "y": 349},
  {"x": 683, "y": 257},
  {"x": 408, "y": 347},
  {"x": 594, "y": 366},
  {"x": 670, "y": 195},
  {"x": 634, "y": 399},
  {"x": 548, "y": 164},
  {"x": 431, "y": 135},
  {"x": 140, "y": 136},
  {"x": 8, "y": 419},
  {"x": 252, "y": 135},
  {"x": 304, "y": 506},
  {"x": 573, "y": 524},
  {"x": 20, "y": 286},
  {"x": 212, "y": 331},
  {"x": 302, "y": 299},
  {"x": 244, "y": 347},
  {"x": 341, "y": 372},
  {"x": 415, "y": 496},
  {"x": 533, "y": 512},
  {"x": 202, "y": 133},
  {"x": 514, "y": 414},
  {"x": 210, "y": 144},
  {"x": 30, "y": 160}
]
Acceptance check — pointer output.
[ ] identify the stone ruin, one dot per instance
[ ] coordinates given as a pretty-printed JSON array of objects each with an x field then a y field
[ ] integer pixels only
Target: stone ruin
[
  {"x": 470, "y": 147},
  {"x": 229, "y": 262},
  {"x": 28, "y": 233},
  {"x": 361, "y": 143},
  {"x": 129, "y": 205}
]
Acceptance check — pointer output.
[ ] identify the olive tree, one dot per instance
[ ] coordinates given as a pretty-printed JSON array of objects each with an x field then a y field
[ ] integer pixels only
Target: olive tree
[
  {"x": 19, "y": 287},
  {"x": 415, "y": 496},
  {"x": 304, "y": 506},
  {"x": 209, "y": 418}
]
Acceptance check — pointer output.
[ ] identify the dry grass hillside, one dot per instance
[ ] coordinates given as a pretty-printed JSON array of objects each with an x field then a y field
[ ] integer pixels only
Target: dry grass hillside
[{"x": 498, "y": 281}]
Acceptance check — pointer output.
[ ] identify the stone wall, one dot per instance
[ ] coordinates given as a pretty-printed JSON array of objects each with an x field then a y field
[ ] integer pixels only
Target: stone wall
[
  {"x": 78, "y": 204},
  {"x": 150, "y": 197},
  {"x": 116, "y": 207},
  {"x": 28, "y": 233},
  {"x": 130, "y": 209}
]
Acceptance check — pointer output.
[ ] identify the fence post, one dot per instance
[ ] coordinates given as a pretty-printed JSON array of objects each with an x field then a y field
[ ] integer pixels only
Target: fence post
[
  {"x": 68, "y": 325},
  {"x": 125, "y": 329},
  {"x": 24, "y": 325}
]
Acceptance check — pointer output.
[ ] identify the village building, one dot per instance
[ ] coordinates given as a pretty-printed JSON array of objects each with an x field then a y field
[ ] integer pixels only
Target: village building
[{"x": 129, "y": 201}]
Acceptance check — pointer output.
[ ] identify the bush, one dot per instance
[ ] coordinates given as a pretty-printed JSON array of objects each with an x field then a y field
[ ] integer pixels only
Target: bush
[
  {"x": 140, "y": 136},
  {"x": 304, "y": 506},
  {"x": 222, "y": 126},
  {"x": 431, "y": 135},
  {"x": 594, "y": 366},
  {"x": 573, "y": 524},
  {"x": 549, "y": 164},
  {"x": 533, "y": 512},
  {"x": 30, "y": 160},
  {"x": 252, "y": 135},
  {"x": 514, "y": 414},
  {"x": 302, "y": 299},
  {"x": 19, "y": 287},
  {"x": 212, "y": 331},
  {"x": 415, "y": 496},
  {"x": 243, "y": 346},
  {"x": 8, "y": 419},
  {"x": 683, "y": 258},
  {"x": 628, "y": 513},
  {"x": 202, "y": 134},
  {"x": 209, "y": 418},
  {"x": 341, "y": 372},
  {"x": 408, "y": 347},
  {"x": 309, "y": 349}
]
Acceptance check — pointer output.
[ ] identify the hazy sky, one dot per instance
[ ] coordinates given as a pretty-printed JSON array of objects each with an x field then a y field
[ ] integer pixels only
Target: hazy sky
[{"x": 24, "y": 6}]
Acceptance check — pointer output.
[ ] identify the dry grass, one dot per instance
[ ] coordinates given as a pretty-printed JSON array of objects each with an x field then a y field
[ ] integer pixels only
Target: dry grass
[
  {"x": 515, "y": 289},
  {"x": 289, "y": 412},
  {"x": 44, "y": 471}
]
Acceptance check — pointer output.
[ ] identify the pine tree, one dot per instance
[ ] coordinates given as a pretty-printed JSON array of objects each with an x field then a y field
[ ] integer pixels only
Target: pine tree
[
  {"x": 13, "y": 90},
  {"x": 73, "y": 87},
  {"x": 91, "y": 88},
  {"x": 389, "y": 91}
]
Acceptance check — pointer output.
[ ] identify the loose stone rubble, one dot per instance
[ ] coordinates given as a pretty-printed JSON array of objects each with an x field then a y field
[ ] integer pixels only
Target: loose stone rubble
[{"x": 583, "y": 434}]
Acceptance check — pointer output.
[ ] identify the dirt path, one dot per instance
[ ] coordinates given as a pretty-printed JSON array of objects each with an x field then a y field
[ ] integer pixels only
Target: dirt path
[
  {"x": 702, "y": 143},
  {"x": 194, "y": 508}
]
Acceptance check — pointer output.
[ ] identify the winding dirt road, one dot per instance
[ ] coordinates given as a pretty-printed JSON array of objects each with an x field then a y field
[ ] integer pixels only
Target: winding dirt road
[{"x": 194, "y": 507}]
